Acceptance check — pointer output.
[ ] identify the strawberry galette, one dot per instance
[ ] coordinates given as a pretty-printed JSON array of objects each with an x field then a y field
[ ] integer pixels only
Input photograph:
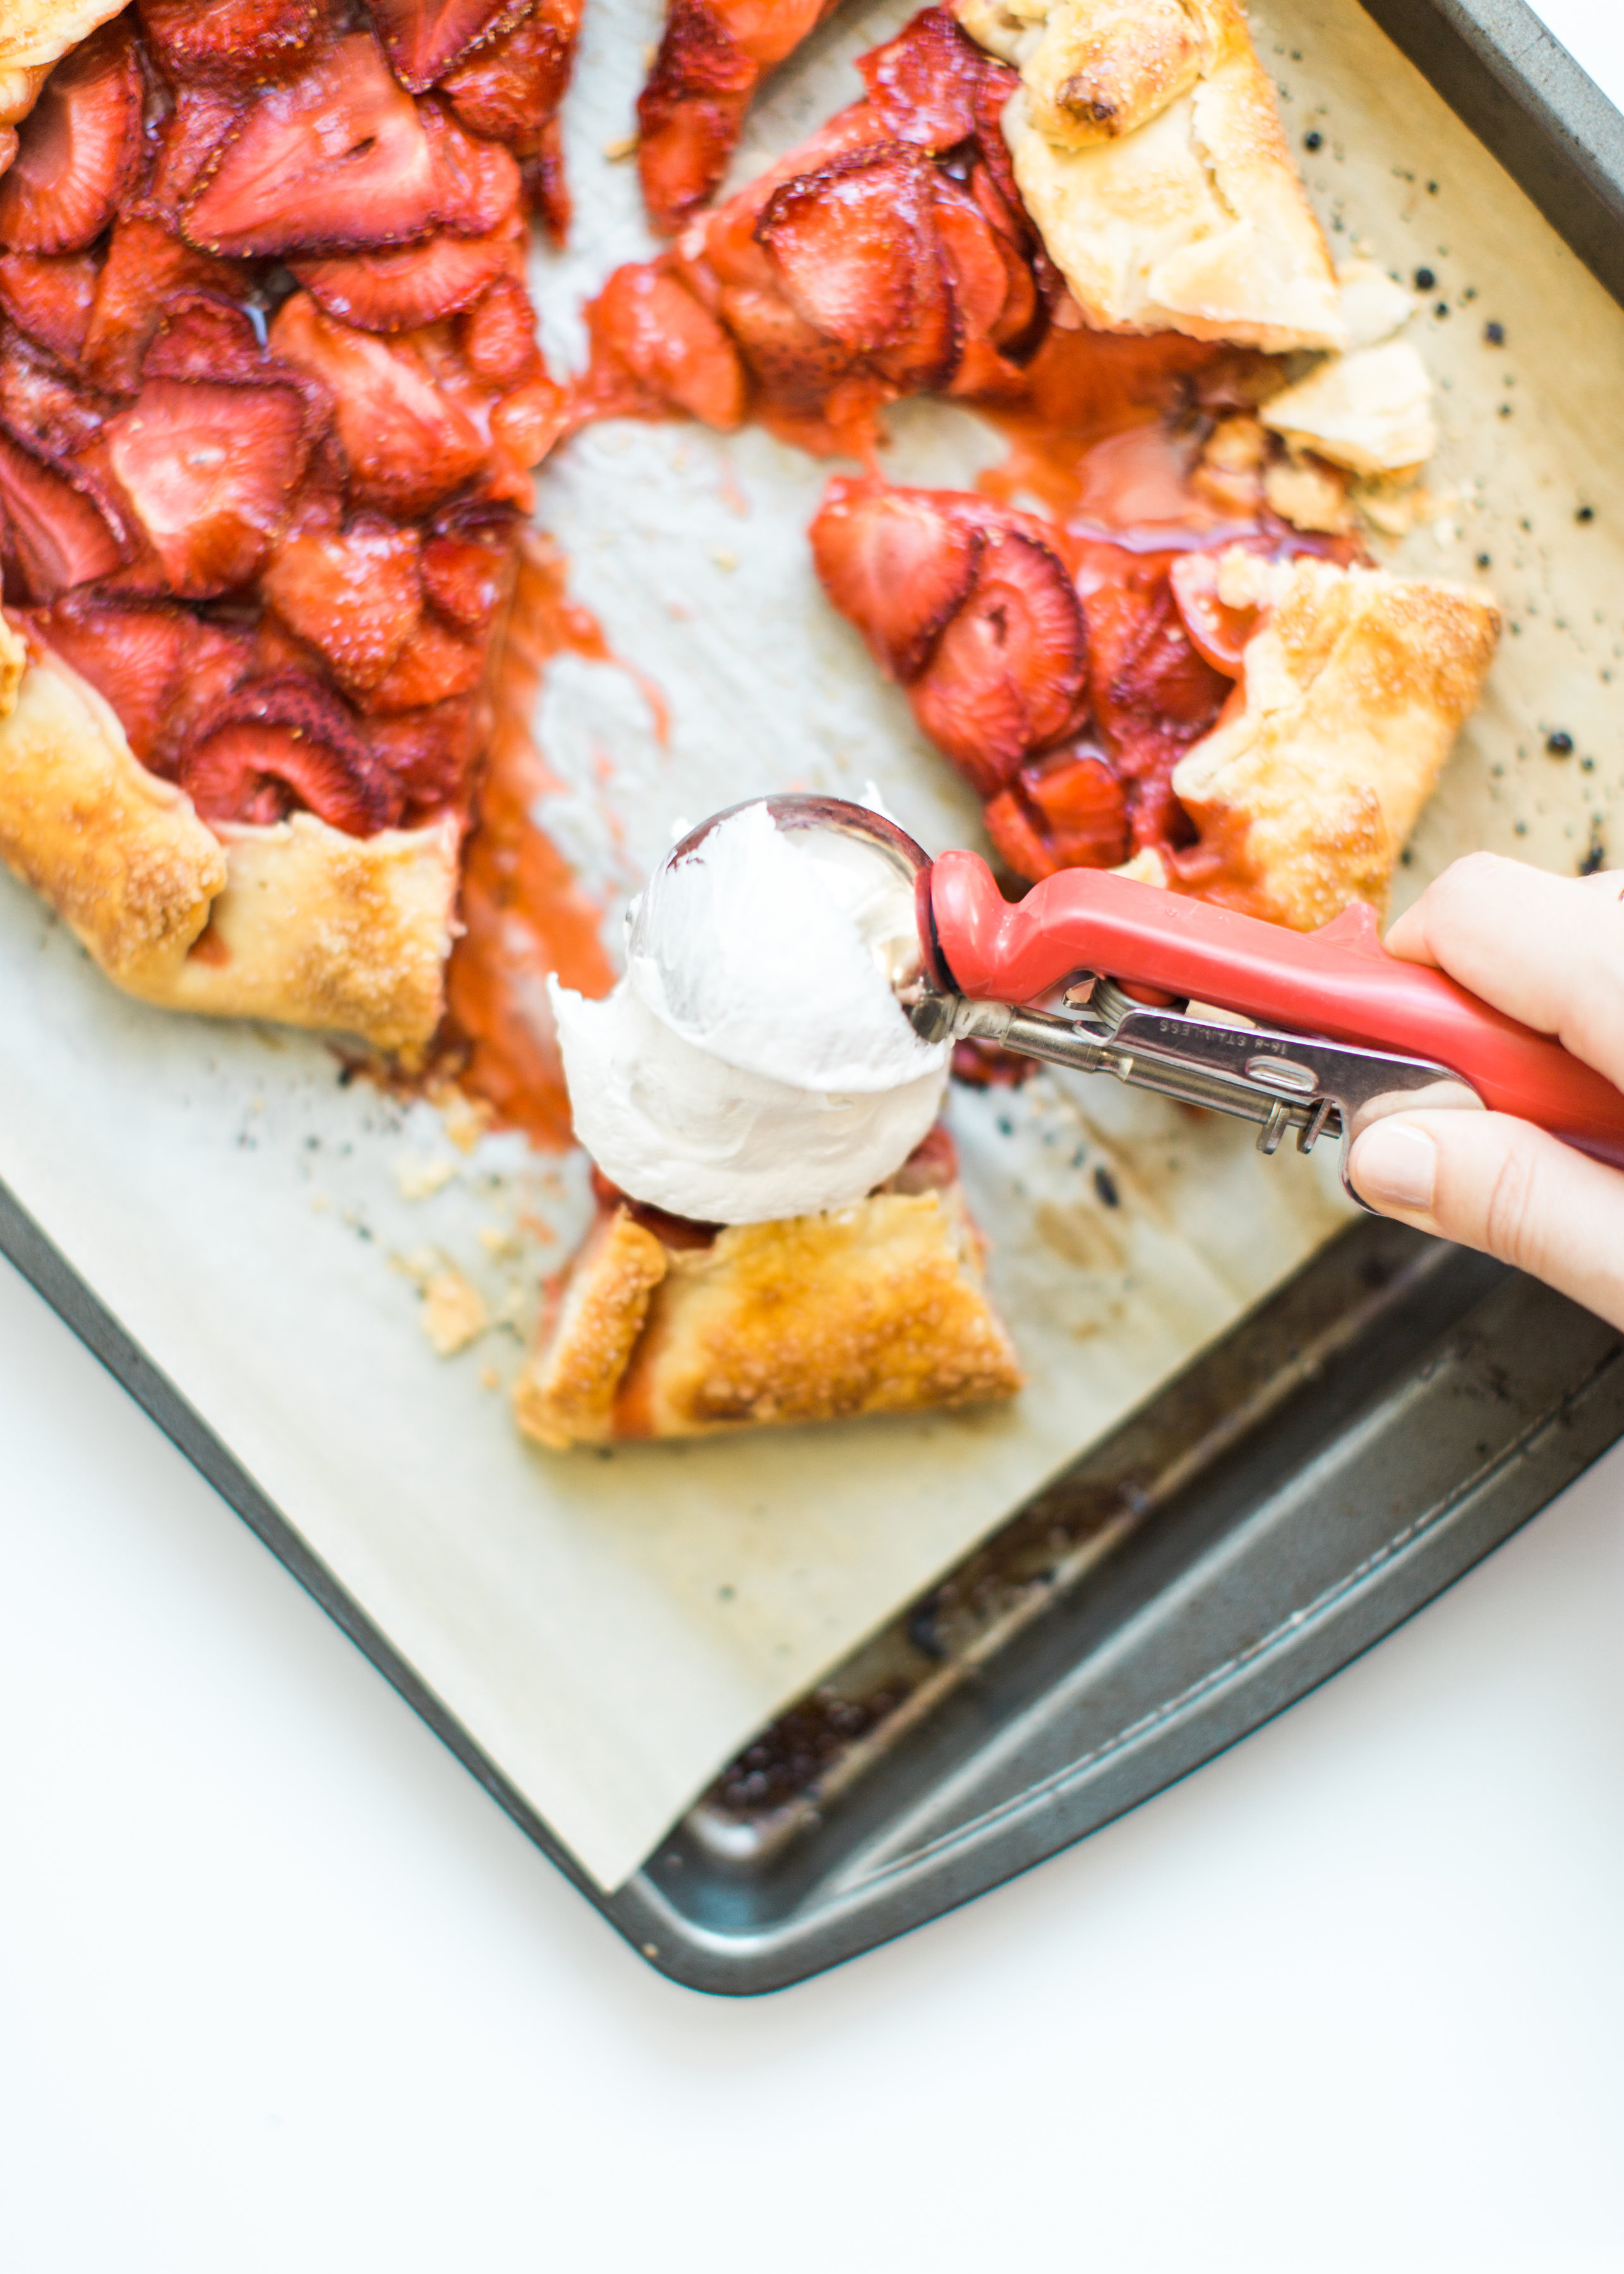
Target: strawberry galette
[
  {"x": 1258, "y": 724},
  {"x": 269, "y": 399}
]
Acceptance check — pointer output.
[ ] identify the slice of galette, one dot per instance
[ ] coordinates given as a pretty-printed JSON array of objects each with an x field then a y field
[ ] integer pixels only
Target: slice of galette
[
  {"x": 1148, "y": 145},
  {"x": 1258, "y": 724},
  {"x": 661, "y": 1328},
  {"x": 1146, "y": 256}
]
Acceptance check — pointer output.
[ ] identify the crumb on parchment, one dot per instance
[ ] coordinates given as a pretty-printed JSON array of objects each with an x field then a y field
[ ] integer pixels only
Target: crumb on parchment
[
  {"x": 466, "y": 1119},
  {"x": 420, "y": 1177},
  {"x": 454, "y": 1313}
]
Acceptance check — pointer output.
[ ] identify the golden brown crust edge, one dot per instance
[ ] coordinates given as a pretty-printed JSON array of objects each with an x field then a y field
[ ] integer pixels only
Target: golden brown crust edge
[
  {"x": 1150, "y": 152},
  {"x": 876, "y": 1308},
  {"x": 1354, "y": 687},
  {"x": 33, "y": 35},
  {"x": 566, "y": 1394},
  {"x": 297, "y": 923}
]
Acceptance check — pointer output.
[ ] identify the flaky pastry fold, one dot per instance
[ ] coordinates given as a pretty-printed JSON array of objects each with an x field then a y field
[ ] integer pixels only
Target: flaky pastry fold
[
  {"x": 1353, "y": 686},
  {"x": 296, "y": 922},
  {"x": 876, "y": 1309},
  {"x": 33, "y": 35},
  {"x": 1148, "y": 148}
]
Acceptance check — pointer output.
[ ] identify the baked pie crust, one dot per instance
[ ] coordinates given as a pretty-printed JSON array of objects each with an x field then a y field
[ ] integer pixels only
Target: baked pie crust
[
  {"x": 1148, "y": 150},
  {"x": 1353, "y": 687},
  {"x": 876, "y": 1309}
]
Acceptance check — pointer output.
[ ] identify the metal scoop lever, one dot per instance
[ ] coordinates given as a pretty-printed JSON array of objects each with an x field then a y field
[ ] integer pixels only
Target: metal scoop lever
[{"x": 1282, "y": 1081}]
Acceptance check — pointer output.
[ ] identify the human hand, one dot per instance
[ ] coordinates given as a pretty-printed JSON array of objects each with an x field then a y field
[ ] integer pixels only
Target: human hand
[{"x": 1548, "y": 951}]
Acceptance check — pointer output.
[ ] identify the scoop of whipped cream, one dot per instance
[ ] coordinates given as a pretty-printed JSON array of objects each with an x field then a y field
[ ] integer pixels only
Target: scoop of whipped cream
[{"x": 755, "y": 1062}]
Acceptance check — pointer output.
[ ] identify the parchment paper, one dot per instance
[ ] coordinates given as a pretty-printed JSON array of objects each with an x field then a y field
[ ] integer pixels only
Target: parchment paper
[{"x": 612, "y": 1628}]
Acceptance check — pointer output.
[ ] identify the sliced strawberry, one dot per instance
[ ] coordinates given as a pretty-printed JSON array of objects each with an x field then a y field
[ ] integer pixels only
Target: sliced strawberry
[
  {"x": 690, "y": 111},
  {"x": 397, "y": 288},
  {"x": 434, "y": 666},
  {"x": 796, "y": 367},
  {"x": 235, "y": 45},
  {"x": 208, "y": 472},
  {"x": 658, "y": 331},
  {"x": 510, "y": 86},
  {"x": 79, "y": 149},
  {"x": 203, "y": 336},
  {"x": 157, "y": 665},
  {"x": 1218, "y": 633},
  {"x": 188, "y": 142},
  {"x": 1147, "y": 680},
  {"x": 131, "y": 655},
  {"x": 1082, "y": 808},
  {"x": 545, "y": 184},
  {"x": 54, "y": 538},
  {"x": 464, "y": 575},
  {"x": 1007, "y": 675},
  {"x": 975, "y": 261},
  {"x": 478, "y": 185},
  {"x": 353, "y": 594},
  {"x": 8, "y": 148},
  {"x": 498, "y": 334},
  {"x": 281, "y": 743},
  {"x": 858, "y": 254},
  {"x": 337, "y": 157},
  {"x": 896, "y": 565},
  {"x": 526, "y": 424},
  {"x": 430, "y": 755},
  {"x": 424, "y": 38},
  {"x": 40, "y": 407},
  {"x": 924, "y": 83},
  {"x": 50, "y": 297},
  {"x": 1018, "y": 841},
  {"x": 407, "y": 445}
]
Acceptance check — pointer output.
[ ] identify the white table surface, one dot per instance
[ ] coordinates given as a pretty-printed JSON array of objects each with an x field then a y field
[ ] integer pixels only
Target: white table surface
[{"x": 280, "y": 1990}]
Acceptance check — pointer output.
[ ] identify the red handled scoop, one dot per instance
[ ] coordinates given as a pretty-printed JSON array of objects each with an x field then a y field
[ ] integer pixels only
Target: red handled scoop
[{"x": 1338, "y": 984}]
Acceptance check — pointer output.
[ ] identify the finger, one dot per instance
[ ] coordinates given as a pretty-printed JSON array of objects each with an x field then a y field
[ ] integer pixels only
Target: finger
[
  {"x": 1547, "y": 949},
  {"x": 1498, "y": 1185}
]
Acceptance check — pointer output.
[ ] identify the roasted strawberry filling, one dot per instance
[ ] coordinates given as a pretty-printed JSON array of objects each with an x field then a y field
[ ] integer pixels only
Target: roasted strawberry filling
[
  {"x": 269, "y": 393},
  {"x": 887, "y": 257}
]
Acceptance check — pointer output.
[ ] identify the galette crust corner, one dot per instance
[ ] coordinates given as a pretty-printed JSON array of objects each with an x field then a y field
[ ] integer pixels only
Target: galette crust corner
[
  {"x": 1150, "y": 154},
  {"x": 566, "y": 1394},
  {"x": 1354, "y": 687},
  {"x": 346, "y": 934},
  {"x": 120, "y": 855}
]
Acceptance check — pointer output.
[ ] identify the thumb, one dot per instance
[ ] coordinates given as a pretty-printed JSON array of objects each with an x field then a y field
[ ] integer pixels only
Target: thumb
[{"x": 1491, "y": 1183}]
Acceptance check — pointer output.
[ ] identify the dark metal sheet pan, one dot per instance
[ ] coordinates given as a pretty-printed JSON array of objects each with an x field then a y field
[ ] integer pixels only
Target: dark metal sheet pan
[{"x": 1364, "y": 1437}]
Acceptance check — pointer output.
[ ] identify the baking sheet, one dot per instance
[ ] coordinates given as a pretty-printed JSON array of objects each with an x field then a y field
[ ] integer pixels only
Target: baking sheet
[{"x": 610, "y": 1629}]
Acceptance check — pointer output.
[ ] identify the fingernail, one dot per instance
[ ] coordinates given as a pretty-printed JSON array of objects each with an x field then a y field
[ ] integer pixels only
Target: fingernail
[{"x": 1396, "y": 1166}]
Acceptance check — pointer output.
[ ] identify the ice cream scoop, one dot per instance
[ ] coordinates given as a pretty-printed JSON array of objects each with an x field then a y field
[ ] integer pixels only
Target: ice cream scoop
[
  {"x": 756, "y": 1061},
  {"x": 1341, "y": 1032}
]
